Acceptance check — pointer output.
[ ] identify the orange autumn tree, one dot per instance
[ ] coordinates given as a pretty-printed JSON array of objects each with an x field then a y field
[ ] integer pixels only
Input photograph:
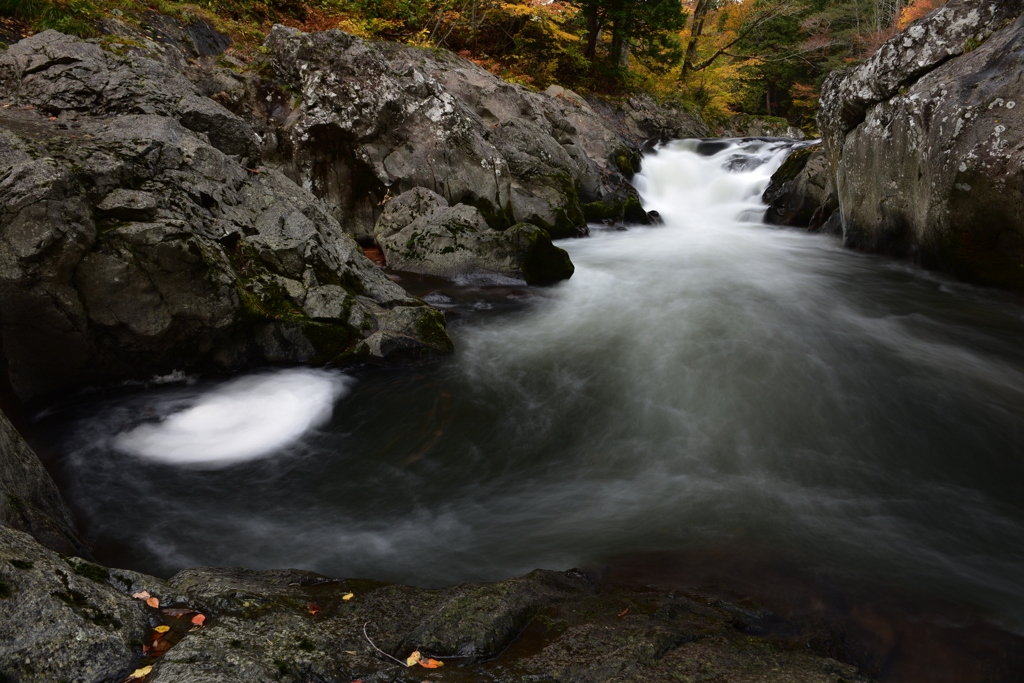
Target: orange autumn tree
[{"x": 916, "y": 10}]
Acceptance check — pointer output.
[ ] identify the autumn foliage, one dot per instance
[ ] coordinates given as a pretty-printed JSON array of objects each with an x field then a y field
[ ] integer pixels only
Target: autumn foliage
[{"x": 764, "y": 57}]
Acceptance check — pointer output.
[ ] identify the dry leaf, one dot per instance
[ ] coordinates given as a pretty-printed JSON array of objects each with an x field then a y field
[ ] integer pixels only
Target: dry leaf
[
  {"x": 51, "y": 118},
  {"x": 144, "y": 595},
  {"x": 313, "y": 608},
  {"x": 351, "y": 652},
  {"x": 153, "y": 602},
  {"x": 159, "y": 647},
  {"x": 199, "y": 619},
  {"x": 162, "y": 628},
  {"x": 348, "y": 596},
  {"x": 431, "y": 663},
  {"x": 413, "y": 658},
  {"x": 140, "y": 673},
  {"x": 623, "y": 612}
]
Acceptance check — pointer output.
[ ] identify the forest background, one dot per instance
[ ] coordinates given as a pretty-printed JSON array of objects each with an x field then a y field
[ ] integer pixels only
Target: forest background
[{"x": 762, "y": 57}]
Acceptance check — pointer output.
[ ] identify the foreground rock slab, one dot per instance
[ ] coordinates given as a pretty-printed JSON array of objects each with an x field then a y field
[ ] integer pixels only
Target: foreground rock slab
[{"x": 545, "y": 626}]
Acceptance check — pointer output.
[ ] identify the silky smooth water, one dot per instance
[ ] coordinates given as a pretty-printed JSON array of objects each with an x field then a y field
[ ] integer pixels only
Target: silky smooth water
[{"x": 709, "y": 382}]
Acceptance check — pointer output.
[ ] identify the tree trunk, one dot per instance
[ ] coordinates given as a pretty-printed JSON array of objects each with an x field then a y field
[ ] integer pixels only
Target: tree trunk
[
  {"x": 700, "y": 12},
  {"x": 593, "y": 31}
]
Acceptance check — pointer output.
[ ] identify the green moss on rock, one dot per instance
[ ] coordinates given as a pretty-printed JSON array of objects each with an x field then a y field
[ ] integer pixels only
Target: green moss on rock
[
  {"x": 91, "y": 571},
  {"x": 431, "y": 328},
  {"x": 792, "y": 166},
  {"x": 544, "y": 263},
  {"x": 330, "y": 342}
]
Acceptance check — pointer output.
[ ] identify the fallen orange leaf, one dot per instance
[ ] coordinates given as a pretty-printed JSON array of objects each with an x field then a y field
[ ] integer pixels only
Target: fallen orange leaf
[
  {"x": 199, "y": 619},
  {"x": 623, "y": 612},
  {"x": 141, "y": 596},
  {"x": 153, "y": 602},
  {"x": 413, "y": 658},
  {"x": 313, "y": 608},
  {"x": 159, "y": 647},
  {"x": 430, "y": 663}
]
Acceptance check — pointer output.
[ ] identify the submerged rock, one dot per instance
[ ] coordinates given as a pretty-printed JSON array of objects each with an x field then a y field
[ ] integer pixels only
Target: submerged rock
[
  {"x": 924, "y": 140},
  {"x": 139, "y": 235}
]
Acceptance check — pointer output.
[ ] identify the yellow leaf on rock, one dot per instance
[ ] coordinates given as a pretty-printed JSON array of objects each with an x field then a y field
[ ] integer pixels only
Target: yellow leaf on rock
[
  {"x": 348, "y": 596},
  {"x": 162, "y": 628},
  {"x": 140, "y": 673},
  {"x": 413, "y": 658}
]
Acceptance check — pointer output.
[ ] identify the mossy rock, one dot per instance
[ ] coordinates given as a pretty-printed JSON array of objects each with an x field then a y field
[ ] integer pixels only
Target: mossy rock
[
  {"x": 792, "y": 166},
  {"x": 431, "y": 328},
  {"x": 331, "y": 343},
  {"x": 544, "y": 263},
  {"x": 616, "y": 209}
]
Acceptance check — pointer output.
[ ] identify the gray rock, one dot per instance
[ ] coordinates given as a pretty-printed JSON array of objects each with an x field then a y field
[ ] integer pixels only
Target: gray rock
[
  {"x": 925, "y": 143},
  {"x": 418, "y": 232},
  {"x": 66, "y": 619},
  {"x": 363, "y": 121},
  {"x": 139, "y": 244},
  {"x": 29, "y": 500},
  {"x": 747, "y": 126},
  {"x": 801, "y": 192}
]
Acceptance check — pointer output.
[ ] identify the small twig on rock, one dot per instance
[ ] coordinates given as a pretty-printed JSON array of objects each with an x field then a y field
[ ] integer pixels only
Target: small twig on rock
[{"x": 365, "y": 635}]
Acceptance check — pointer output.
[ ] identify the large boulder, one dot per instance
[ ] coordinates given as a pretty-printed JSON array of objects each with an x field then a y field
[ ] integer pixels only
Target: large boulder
[
  {"x": 419, "y": 232},
  {"x": 358, "y": 121},
  {"x": 925, "y": 142},
  {"x": 140, "y": 235}
]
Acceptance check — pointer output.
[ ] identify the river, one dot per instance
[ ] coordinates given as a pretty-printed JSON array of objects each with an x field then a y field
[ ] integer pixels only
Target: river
[{"x": 708, "y": 383}]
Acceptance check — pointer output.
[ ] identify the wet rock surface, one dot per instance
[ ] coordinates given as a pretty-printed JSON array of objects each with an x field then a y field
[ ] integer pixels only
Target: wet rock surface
[
  {"x": 925, "y": 146},
  {"x": 141, "y": 235},
  {"x": 292, "y": 625},
  {"x": 802, "y": 192},
  {"x": 66, "y": 619}
]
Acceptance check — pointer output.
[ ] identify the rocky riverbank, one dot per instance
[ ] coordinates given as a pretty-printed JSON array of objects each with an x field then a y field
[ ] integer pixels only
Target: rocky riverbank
[{"x": 922, "y": 148}]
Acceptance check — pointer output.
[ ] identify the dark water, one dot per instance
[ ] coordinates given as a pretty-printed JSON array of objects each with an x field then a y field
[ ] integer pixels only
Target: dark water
[{"x": 712, "y": 383}]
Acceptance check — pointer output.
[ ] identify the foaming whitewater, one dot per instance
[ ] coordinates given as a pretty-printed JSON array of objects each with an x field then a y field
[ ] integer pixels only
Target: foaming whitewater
[
  {"x": 242, "y": 419},
  {"x": 712, "y": 383}
]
